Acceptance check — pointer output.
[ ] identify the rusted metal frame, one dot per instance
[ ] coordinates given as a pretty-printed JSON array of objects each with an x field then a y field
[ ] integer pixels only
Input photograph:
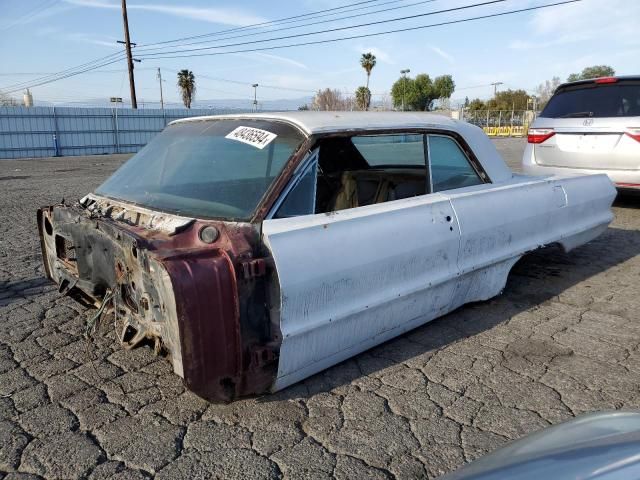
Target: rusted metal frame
[{"x": 252, "y": 352}]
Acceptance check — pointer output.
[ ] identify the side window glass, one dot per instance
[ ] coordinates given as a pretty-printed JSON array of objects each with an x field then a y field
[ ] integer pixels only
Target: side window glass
[
  {"x": 450, "y": 167},
  {"x": 300, "y": 200},
  {"x": 391, "y": 150}
]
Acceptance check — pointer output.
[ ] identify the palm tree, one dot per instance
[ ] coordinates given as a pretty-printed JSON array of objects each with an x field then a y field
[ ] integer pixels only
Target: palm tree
[
  {"x": 187, "y": 86},
  {"x": 368, "y": 61},
  {"x": 363, "y": 97}
]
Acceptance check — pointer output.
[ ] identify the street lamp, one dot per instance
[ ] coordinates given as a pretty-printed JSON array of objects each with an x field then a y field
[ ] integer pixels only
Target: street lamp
[
  {"x": 404, "y": 84},
  {"x": 255, "y": 97}
]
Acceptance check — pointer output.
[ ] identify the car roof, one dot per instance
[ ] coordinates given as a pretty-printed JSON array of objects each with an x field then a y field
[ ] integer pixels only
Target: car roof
[
  {"x": 312, "y": 123},
  {"x": 326, "y": 122},
  {"x": 593, "y": 80}
]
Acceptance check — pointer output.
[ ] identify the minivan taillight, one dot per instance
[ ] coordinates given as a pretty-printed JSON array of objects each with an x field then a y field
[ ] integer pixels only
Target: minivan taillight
[
  {"x": 606, "y": 80},
  {"x": 634, "y": 132},
  {"x": 539, "y": 135}
]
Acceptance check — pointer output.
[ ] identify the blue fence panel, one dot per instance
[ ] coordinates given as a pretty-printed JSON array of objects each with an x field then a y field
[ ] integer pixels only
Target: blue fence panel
[{"x": 61, "y": 131}]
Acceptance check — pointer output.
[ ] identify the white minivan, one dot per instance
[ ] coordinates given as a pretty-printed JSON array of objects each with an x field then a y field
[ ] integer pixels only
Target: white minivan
[{"x": 589, "y": 126}]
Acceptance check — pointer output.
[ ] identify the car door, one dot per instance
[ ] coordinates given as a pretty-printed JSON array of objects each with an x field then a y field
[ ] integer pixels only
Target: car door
[
  {"x": 357, "y": 277},
  {"x": 498, "y": 223}
]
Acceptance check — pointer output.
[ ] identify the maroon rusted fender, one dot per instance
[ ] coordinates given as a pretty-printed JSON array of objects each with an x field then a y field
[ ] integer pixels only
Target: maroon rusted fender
[{"x": 170, "y": 290}]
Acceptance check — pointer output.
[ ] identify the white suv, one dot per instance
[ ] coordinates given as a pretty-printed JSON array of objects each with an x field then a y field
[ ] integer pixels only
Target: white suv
[{"x": 590, "y": 126}]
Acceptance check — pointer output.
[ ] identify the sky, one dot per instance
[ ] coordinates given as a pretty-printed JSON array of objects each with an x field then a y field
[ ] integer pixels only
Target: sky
[{"x": 38, "y": 37}]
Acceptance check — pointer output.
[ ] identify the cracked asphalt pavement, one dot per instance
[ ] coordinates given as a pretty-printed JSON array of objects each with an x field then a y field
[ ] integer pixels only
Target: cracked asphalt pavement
[{"x": 561, "y": 340}]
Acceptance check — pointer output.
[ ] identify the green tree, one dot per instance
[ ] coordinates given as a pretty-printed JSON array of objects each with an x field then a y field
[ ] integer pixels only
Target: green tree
[
  {"x": 476, "y": 104},
  {"x": 509, "y": 100},
  {"x": 401, "y": 92},
  {"x": 592, "y": 72},
  {"x": 363, "y": 98},
  {"x": 368, "y": 61},
  {"x": 444, "y": 86},
  {"x": 418, "y": 93},
  {"x": 187, "y": 86},
  {"x": 424, "y": 93},
  {"x": 466, "y": 102}
]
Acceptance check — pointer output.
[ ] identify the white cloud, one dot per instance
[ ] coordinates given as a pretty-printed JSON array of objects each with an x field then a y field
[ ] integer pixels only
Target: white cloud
[
  {"x": 281, "y": 59},
  {"x": 88, "y": 38},
  {"x": 305, "y": 84},
  {"x": 268, "y": 58},
  {"x": 227, "y": 16},
  {"x": 46, "y": 31},
  {"x": 449, "y": 58},
  {"x": 42, "y": 14},
  {"x": 611, "y": 21}
]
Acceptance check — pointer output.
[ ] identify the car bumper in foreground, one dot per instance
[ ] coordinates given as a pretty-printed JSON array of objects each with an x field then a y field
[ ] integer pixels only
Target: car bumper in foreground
[{"x": 622, "y": 179}]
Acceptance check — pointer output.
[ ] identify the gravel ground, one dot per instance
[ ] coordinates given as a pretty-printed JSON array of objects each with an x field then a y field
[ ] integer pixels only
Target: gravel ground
[{"x": 563, "y": 339}]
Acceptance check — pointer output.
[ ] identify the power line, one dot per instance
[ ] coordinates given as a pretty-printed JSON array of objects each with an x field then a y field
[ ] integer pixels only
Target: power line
[
  {"x": 77, "y": 71},
  {"x": 64, "y": 73},
  {"x": 353, "y": 37},
  {"x": 247, "y": 83},
  {"x": 62, "y": 77},
  {"x": 271, "y": 22},
  {"x": 30, "y": 83},
  {"x": 336, "y": 29},
  {"x": 117, "y": 70},
  {"x": 146, "y": 49}
]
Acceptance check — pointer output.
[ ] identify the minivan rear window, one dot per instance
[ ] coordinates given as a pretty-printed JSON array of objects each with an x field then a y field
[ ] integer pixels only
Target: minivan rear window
[{"x": 620, "y": 99}]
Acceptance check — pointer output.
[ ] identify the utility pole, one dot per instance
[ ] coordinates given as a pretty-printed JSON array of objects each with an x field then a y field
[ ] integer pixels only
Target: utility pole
[
  {"x": 404, "y": 83},
  {"x": 255, "y": 97},
  {"x": 127, "y": 43},
  {"x": 160, "y": 80},
  {"x": 495, "y": 87}
]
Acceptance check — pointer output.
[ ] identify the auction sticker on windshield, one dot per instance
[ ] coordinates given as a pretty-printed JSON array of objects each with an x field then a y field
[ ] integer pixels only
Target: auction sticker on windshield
[{"x": 252, "y": 136}]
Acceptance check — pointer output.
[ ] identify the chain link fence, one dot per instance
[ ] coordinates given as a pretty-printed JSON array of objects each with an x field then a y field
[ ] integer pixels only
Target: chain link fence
[{"x": 500, "y": 123}]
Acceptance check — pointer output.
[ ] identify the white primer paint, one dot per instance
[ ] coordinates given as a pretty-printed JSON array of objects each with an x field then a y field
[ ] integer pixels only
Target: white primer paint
[{"x": 353, "y": 279}]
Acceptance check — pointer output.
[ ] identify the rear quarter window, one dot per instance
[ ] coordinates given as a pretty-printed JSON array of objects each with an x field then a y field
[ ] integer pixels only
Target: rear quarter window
[{"x": 620, "y": 99}]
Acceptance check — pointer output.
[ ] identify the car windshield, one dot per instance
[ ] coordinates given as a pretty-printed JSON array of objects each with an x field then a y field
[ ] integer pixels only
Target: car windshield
[
  {"x": 210, "y": 168},
  {"x": 620, "y": 99}
]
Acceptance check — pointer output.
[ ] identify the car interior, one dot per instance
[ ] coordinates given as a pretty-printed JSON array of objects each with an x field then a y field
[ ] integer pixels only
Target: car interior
[
  {"x": 364, "y": 170},
  {"x": 347, "y": 180}
]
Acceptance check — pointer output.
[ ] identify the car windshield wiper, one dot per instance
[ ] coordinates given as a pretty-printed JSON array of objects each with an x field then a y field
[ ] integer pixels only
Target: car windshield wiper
[{"x": 577, "y": 115}]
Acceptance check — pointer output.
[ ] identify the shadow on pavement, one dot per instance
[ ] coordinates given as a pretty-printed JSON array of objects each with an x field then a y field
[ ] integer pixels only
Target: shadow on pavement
[
  {"x": 24, "y": 289},
  {"x": 628, "y": 200}
]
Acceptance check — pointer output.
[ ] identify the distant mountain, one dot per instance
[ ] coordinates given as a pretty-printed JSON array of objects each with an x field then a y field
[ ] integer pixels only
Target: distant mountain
[
  {"x": 281, "y": 104},
  {"x": 215, "y": 104}
]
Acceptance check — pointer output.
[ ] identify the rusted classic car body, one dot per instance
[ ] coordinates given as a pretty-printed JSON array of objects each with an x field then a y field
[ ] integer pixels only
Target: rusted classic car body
[{"x": 352, "y": 241}]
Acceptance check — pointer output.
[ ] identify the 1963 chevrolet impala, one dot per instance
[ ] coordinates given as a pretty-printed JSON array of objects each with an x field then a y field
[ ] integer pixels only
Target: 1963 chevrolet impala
[{"x": 256, "y": 250}]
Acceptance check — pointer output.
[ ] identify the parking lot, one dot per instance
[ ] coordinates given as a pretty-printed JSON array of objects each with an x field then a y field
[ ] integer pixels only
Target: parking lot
[{"x": 561, "y": 340}]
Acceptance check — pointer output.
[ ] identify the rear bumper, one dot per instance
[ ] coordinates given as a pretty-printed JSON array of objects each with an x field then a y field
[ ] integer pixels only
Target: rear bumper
[{"x": 623, "y": 179}]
